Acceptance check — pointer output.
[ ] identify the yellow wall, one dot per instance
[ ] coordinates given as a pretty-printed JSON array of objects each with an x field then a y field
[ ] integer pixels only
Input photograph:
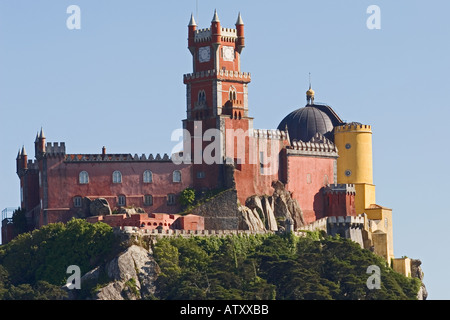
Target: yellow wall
[
  {"x": 380, "y": 220},
  {"x": 402, "y": 265},
  {"x": 365, "y": 196},
  {"x": 354, "y": 144}
]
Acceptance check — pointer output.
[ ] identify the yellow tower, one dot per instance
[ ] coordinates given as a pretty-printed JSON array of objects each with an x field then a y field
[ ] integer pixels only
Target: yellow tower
[{"x": 355, "y": 166}]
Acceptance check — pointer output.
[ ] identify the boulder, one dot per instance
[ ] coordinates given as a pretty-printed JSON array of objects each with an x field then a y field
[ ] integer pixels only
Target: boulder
[
  {"x": 416, "y": 272},
  {"x": 132, "y": 275},
  {"x": 130, "y": 211},
  {"x": 99, "y": 207},
  {"x": 250, "y": 220},
  {"x": 271, "y": 212}
]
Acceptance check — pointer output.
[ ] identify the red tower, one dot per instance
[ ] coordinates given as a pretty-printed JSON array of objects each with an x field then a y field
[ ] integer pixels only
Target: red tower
[{"x": 216, "y": 95}]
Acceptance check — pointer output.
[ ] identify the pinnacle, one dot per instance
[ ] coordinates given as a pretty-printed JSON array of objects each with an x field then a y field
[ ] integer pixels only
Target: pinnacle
[
  {"x": 216, "y": 17},
  {"x": 192, "y": 21},
  {"x": 239, "y": 20}
]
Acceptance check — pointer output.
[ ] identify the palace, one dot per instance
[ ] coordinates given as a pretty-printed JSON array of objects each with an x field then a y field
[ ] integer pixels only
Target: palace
[{"x": 316, "y": 165}]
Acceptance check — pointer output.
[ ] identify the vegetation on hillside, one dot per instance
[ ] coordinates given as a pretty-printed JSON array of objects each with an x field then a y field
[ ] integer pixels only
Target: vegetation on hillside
[
  {"x": 34, "y": 265},
  {"x": 273, "y": 267}
]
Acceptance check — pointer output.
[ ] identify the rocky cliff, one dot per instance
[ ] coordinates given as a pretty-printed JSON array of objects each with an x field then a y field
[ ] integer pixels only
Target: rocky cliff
[
  {"x": 262, "y": 213},
  {"x": 131, "y": 275}
]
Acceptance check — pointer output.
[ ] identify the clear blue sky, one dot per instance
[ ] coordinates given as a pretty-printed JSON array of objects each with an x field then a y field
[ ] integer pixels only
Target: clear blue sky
[{"x": 117, "y": 82}]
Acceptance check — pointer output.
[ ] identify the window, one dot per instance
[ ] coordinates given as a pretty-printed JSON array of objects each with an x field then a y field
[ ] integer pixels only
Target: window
[
  {"x": 170, "y": 199},
  {"x": 308, "y": 178},
  {"x": 117, "y": 177},
  {"x": 201, "y": 97},
  {"x": 176, "y": 176},
  {"x": 121, "y": 200},
  {"x": 77, "y": 202},
  {"x": 325, "y": 180},
  {"x": 148, "y": 176},
  {"x": 348, "y": 173},
  {"x": 261, "y": 162},
  {"x": 200, "y": 174},
  {"x": 148, "y": 200},
  {"x": 83, "y": 177},
  {"x": 232, "y": 94},
  {"x": 348, "y": 146}
]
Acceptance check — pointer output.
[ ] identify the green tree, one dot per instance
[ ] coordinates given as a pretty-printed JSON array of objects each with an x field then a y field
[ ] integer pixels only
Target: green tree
[{"x": 187, "y": 198}]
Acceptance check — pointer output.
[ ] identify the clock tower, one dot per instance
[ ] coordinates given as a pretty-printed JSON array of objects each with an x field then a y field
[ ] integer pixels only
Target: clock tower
[{"x": 216, "y": 98}]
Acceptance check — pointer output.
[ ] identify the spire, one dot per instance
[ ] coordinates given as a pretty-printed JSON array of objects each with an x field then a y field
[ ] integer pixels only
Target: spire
[
  {"x": 239, "y": 20},
  {"x": 19, "y": 154},
  {"x": 41, "y": 134},
  {"x": 23, "y": 152},
  {"x": 192, "y": 21},
  {"x": 216, "y": 17}
]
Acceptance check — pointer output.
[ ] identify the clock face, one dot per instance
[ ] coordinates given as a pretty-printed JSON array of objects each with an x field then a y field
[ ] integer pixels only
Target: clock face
[
  {"x": 204, "y": 54},
  {"x": 228, "y": 53}
]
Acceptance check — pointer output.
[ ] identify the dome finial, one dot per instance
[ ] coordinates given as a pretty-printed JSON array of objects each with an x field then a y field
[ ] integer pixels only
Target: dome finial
[{"x": 310, "y": 93}]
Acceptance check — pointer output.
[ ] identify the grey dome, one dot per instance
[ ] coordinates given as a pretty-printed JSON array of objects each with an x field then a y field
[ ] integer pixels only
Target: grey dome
[{"x": 305, "y": 122}]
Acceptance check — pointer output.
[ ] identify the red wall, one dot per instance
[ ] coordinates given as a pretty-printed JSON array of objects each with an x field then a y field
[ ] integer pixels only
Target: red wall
[
  {"x": 63, "y": 183},
  {"x": 308, "y": 192}
]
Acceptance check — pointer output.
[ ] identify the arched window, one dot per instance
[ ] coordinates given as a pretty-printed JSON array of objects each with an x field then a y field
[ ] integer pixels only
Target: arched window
[
  {"x": 201, "y": 96},
  {"x": 148, "y": 200},
  {"x": 232, "y": 94},
  {"x": 176, "y": 176},
  {"x": 117, "y": 177},
  {"x": 148, "y": 176},
  {"x": 83, "y": 177}
]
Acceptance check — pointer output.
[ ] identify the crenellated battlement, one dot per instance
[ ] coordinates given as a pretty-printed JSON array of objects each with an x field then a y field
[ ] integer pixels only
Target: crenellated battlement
[
  {"x": 55, "y": 149},
  {"x": 229, "y": 35},
  {"x": 340, "y": 188},
  {"x": 223, "y": 74},
  {"x": 268, "y": 134},
  {"x": 116, "y": 158},
  {"x": 32, "y": 165},
  {"x": 202, "y": 35},
  {"x": 355, "y": 222},
  {"x": 205, "y": 35},
  {"x": 313, "y": 146},
  {"x": 353, "y": 126}
]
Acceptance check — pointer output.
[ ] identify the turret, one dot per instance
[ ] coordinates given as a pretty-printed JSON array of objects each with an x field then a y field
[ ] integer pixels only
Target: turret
[
  {"x": 240, "y": 42},
  {"x": 39, "y": 144},
  {"x": 21, "y": 161},
  {"x": 216, "y": 30},
  {"x": 192, "y": 27}
]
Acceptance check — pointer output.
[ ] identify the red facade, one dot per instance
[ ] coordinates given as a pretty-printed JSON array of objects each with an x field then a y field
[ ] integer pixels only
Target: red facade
[{"x": 217, "y": 125}]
